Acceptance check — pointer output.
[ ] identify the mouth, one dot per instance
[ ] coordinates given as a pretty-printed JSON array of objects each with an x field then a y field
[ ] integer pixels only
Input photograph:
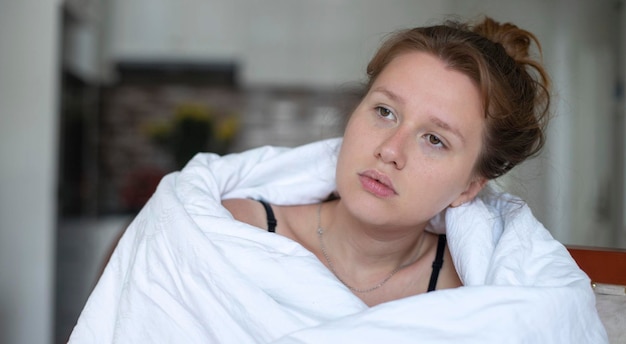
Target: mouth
[{"x": 377, "y": 184}]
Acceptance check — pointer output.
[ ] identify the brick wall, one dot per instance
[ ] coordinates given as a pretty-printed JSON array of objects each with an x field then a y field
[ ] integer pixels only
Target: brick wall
[{"x": 131, "y": 163}]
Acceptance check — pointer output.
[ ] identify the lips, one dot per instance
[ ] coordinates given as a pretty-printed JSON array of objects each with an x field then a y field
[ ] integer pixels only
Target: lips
[{"x": 377, "y": 183}]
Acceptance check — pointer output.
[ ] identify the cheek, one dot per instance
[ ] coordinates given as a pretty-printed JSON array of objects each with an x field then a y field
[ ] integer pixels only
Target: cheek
[
  {"x": 352, "y": 127},
  {"x": 351, "y": 154},
  {"x": 343, "y": 161},
  {"x": 440, "y": 184},
  {"x": 355, "y": 140}
]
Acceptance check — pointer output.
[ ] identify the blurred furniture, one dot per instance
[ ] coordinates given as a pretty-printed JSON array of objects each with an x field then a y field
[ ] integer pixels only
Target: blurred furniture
[
  {"x": 602, "y": 265},
  {"x": 607, "y": 270}
]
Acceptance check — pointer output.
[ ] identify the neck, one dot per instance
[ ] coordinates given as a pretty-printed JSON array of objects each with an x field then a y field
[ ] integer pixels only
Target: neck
[{"x": 367, "y": 247}]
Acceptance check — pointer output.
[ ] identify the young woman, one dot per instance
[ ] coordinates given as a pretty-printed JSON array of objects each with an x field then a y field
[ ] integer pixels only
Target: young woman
[{"x": 447, "y": 108}]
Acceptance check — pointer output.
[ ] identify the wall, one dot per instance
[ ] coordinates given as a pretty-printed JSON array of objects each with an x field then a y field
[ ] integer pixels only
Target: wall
[
  {"x": 280, "y": 42},
  {"x": 621, "y": 126},
  {"x": 582, "y": 170},
  {"x": 593, "y": 71},
  {"x": 28, "y": 141}
]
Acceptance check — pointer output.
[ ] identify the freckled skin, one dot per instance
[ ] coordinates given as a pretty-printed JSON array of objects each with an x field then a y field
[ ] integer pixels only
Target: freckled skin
[{"x": 397, "y": 130}]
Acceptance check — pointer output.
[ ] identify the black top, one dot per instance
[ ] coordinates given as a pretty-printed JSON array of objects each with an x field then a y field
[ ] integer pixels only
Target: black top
[{"x": 437, "y": 264}]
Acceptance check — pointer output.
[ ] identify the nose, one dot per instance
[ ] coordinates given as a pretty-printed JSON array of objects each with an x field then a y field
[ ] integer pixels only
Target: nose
[{"x": 392, "y": 150}]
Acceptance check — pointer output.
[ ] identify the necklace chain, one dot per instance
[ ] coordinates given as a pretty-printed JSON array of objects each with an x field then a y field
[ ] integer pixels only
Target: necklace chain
[{"x": 320, "y": 233}]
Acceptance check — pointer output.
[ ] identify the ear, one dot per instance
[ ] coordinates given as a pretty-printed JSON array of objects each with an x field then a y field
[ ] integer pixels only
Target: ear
[{"x": 472, "y": 190}]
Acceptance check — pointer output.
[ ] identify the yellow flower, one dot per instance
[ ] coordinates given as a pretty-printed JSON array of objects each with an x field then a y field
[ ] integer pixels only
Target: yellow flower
[
  {"x": 227, "y": 128},
  {"x": 196, "y": 112}
]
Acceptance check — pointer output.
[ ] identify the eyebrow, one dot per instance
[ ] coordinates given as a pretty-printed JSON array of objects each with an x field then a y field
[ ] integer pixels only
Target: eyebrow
[
  {"x": 435, "y": 120},
  {"x": 389, "y": 94},
  {"x": 445, "y": 126}
]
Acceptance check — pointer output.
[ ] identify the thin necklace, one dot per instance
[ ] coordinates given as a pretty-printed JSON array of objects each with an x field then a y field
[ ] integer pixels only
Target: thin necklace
[{"x": 320, "y": 233}]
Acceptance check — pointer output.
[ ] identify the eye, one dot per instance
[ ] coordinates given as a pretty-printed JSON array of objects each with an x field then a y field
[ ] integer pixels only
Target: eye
[
  {"x": 434, "y": 140},
  {"x": 385, "y": 113}
]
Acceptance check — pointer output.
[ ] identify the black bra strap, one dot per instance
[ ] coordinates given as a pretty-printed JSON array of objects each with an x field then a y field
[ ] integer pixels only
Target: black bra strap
[
  {"x": 438, "y": 263},
  {"x": 271, "y": 220}
]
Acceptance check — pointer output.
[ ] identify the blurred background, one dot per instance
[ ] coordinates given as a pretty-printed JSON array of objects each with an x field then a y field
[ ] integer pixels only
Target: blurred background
[{"x": 99, "y": 99}]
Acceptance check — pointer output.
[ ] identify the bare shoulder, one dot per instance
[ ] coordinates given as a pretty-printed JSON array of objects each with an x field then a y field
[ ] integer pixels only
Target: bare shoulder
[
  {"x": 247, "y": 210},
  {"x": 253, "y": 213}
]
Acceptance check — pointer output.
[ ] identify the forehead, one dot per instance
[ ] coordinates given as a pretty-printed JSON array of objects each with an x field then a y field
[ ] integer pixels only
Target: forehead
[{"x": 421, "y": 76}]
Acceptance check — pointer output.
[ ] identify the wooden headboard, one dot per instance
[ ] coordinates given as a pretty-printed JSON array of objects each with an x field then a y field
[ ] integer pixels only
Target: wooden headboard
[{"x": 602, "y": 265}]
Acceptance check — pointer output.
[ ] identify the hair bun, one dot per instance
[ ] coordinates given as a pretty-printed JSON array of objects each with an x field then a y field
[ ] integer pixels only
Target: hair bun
[{"x": 517, "y": 42}]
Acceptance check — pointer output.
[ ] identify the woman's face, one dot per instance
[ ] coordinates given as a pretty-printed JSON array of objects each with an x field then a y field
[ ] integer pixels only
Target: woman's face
[{"x": 411, "y": 144}]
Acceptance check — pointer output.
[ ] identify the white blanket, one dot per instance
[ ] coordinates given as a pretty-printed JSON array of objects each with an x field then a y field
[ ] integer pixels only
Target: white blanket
[{"x": 186, "y": 272}]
